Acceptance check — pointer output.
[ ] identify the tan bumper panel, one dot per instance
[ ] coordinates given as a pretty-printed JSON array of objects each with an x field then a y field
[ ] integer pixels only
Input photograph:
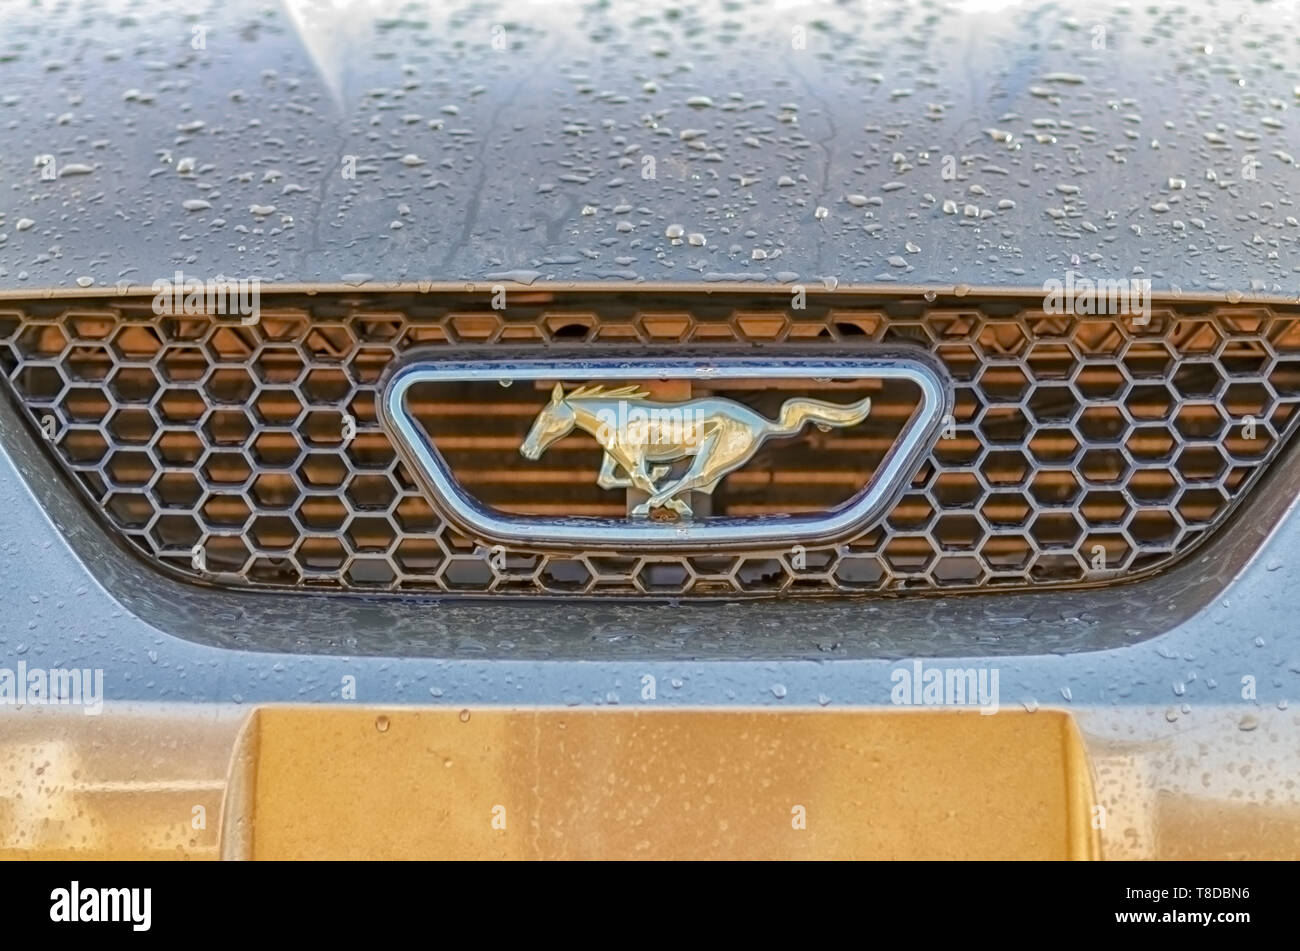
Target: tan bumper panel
[{"x": 589, "y": 784}]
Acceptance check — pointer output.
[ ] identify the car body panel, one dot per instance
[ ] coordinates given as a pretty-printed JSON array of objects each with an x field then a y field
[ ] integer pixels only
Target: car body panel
[
  {"x": 1174, "y": 703},
  {"x": 500, "y": 145},
  {"x": 1144, "y": 712}
]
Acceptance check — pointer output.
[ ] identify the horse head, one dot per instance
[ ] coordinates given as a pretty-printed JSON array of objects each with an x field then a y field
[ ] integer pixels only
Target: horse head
[{"x": 555, "y": 421}]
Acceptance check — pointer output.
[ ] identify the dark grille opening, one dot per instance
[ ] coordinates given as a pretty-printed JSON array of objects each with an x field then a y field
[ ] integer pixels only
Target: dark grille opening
[
  {"x": 478, "y": 428},
  {"x": 1080, "y": 450}
]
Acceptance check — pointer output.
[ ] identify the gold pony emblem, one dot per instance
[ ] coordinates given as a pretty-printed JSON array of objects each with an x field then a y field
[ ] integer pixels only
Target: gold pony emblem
[{"x": 718, "y": 435}]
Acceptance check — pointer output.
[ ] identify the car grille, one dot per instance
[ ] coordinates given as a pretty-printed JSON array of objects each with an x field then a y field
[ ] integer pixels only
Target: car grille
[{"x": 1081, "y": 449}]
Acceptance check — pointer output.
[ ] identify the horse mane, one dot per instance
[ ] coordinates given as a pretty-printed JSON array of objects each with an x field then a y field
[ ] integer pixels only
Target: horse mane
[{"x": 629, "y": 391}]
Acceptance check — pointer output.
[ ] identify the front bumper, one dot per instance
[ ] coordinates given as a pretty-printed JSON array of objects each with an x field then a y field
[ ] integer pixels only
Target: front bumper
[{"x": 247, "y": 728}]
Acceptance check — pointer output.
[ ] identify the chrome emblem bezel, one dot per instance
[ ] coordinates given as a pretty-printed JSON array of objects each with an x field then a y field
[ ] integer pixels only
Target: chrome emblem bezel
[{"x": 432, "y": 472}]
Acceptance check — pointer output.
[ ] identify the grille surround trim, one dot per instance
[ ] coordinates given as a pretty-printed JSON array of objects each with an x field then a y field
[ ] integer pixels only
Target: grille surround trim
[
  {"x": 887, "y": 482},
  {"x": 1238, "y": 324}
]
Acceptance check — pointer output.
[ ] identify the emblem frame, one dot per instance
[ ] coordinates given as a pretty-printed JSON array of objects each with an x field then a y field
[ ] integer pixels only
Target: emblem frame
[{"x": 435, "y": 478}]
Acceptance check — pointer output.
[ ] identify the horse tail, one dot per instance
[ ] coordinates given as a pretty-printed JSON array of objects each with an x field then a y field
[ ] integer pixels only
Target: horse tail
[{"x": 797, "y": 413}]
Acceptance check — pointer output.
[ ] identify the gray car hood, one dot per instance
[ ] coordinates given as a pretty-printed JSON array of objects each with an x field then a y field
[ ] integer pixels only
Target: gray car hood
[{"x": 978, "y": 144}]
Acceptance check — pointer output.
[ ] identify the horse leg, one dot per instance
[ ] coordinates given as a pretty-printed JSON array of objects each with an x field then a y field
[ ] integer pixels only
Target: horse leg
[
  {"x": 694, "y": 477},
  {"x": 646, "y": 483},
  {"x": 636, "y": 478},
  {"x": 607, "y": 479},
  {"x": 677, "y": 505}
]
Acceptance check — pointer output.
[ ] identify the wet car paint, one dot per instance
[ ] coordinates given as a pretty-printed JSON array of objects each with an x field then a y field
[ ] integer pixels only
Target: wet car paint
[
  {"x": 948, "y": 145},
  {"x": 257, "y": 125}
]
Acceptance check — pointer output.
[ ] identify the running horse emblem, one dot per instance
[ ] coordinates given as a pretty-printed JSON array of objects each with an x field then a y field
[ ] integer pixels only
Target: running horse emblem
[{"x": 717, "y": 435}]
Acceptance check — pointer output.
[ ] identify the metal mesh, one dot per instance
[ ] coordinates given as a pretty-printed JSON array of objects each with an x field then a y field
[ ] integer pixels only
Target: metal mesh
[{"x": 1081, "y": 449}]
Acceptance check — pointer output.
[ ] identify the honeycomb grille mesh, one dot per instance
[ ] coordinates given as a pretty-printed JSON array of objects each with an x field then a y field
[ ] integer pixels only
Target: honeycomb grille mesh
[{"x": 1081, "y": 449}]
